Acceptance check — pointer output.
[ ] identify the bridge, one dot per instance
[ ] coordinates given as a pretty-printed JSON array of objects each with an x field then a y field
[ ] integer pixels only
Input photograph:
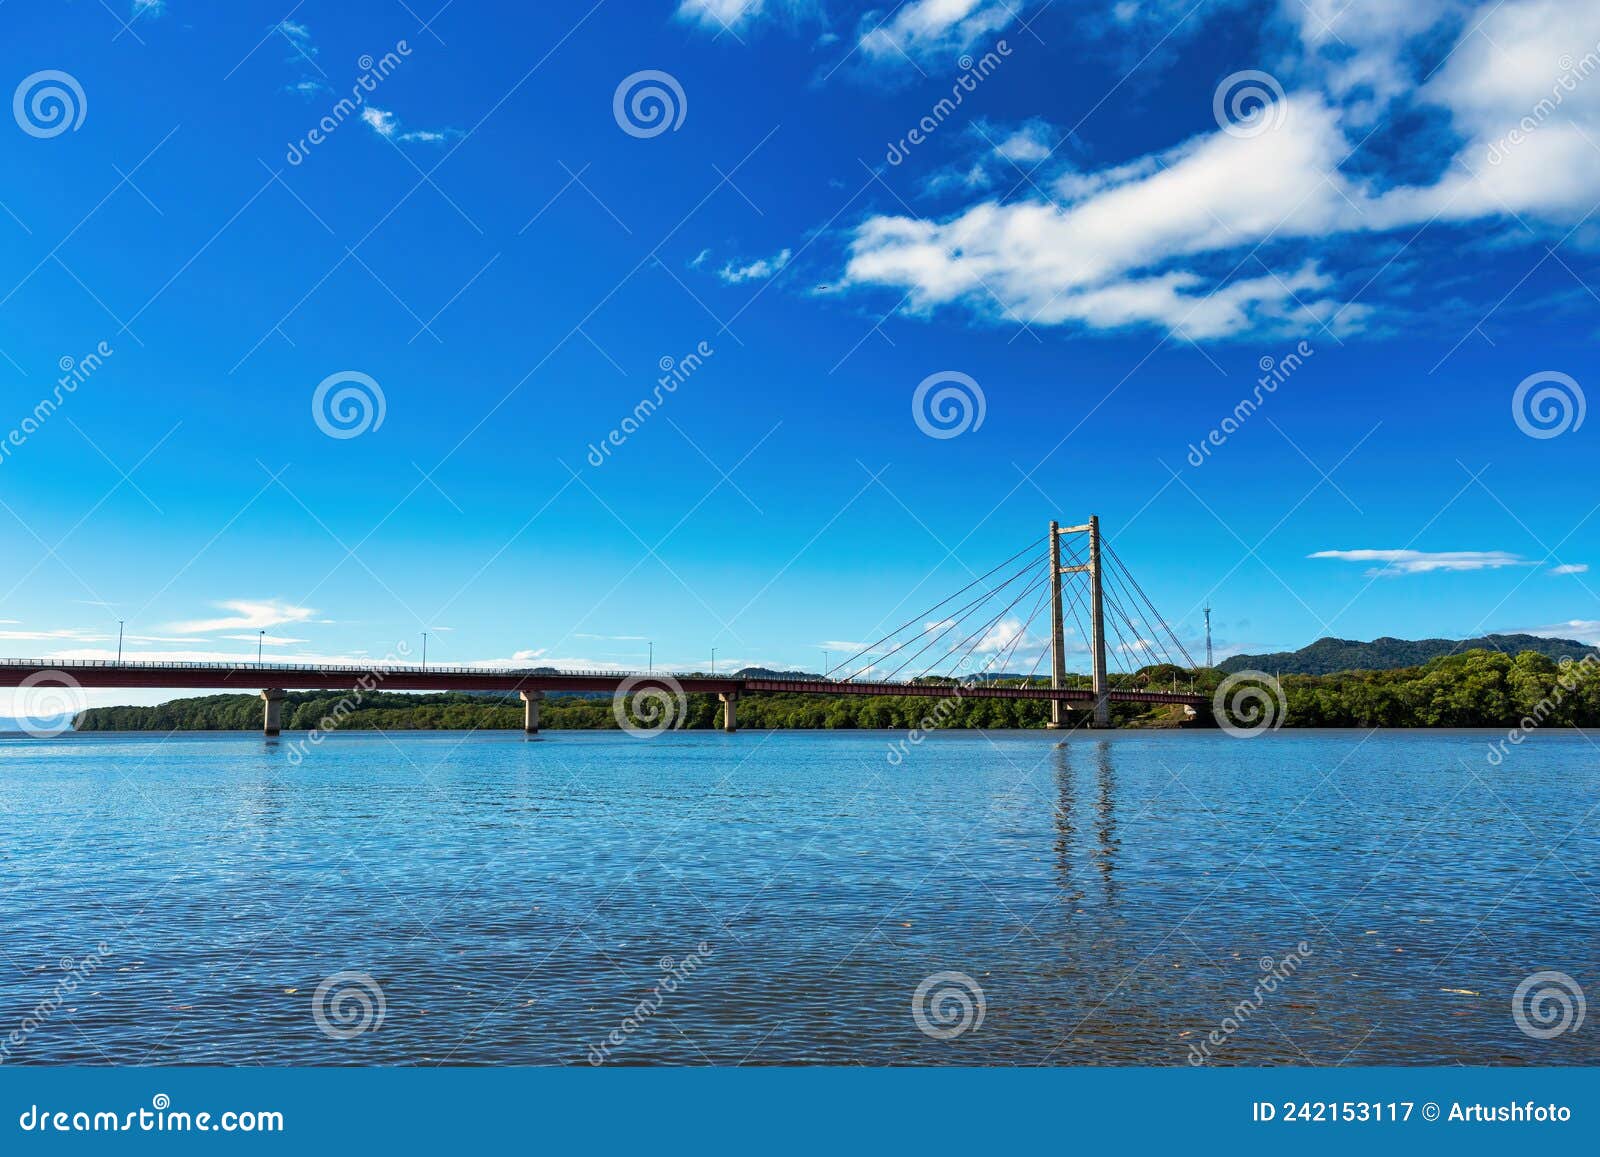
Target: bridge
[{"x": 967, "y": 665}]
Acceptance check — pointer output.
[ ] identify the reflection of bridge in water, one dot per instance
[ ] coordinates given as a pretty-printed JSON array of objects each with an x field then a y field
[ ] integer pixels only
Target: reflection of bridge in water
[{"x": 953, "y": 650}]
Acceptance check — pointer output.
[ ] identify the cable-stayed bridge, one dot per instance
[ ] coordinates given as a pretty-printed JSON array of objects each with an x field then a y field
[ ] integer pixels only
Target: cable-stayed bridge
[{"x": 961, "y": 647}]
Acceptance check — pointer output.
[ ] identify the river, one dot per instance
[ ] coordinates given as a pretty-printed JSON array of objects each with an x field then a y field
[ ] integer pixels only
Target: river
[{"x": 1153, "y": 898}]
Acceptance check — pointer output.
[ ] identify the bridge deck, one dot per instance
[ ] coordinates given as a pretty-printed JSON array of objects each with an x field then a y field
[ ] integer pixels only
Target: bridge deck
[{"x": 244, "y": 677}]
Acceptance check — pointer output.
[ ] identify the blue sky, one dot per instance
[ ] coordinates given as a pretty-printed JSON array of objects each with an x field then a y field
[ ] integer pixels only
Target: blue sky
[{"x": 1108, "y": 217}]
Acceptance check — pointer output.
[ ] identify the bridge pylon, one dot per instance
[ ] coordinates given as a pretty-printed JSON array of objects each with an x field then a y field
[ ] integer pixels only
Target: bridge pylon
[{"x": 1058, "y": 649}]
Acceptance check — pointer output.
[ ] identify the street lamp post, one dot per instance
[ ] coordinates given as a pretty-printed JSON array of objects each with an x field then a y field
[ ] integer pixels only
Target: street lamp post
[
  {"x": 713, "y": 660},
  {"x": 652, "y": 661},
  {"x": 424, "y": 648},
  {"x": 261, "y": 639},
  {"x": 825, "y": 667},
  {"x": 119, "y": 640}
]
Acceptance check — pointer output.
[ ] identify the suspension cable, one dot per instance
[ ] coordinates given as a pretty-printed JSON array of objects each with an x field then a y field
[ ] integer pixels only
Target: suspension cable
[{"x": 876, "y": 643}]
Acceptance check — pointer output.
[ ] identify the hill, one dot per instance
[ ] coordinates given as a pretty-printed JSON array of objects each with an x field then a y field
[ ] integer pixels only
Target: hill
[{"x": 1328, "y": 656}]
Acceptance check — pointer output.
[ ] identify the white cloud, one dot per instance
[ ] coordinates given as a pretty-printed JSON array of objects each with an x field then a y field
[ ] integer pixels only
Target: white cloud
[
  {"x": 921, "y": 28},
  {"x": 383, "y": 122},
  {"x": 1140, "y": 243},
  {"x": 1583, "y": 630},
  {"x": 1397, "y": 562},
  {"x": 1093, "y": 256},
  {"x": 148, "y": 8},
  {"x": 387, "y": 125},
  {"x": 249, "y": 614},
  {"x": 719, "y": 14},
  {"x": 1571, "y": 568},
  {"x": 73, "y": 633},
  {"x": 758, "y": 270},
  {"x": 1028, "y": 144},
  {"x": 298, "y": 36},
  {"x": 268, "y": 640}
]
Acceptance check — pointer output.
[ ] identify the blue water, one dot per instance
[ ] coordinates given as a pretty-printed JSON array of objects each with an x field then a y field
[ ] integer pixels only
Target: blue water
[{"x": 513, "y": 901}]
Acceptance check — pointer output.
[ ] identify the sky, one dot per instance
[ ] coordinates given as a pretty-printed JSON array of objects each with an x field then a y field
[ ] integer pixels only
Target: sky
[{"x": 569, "y": 333}]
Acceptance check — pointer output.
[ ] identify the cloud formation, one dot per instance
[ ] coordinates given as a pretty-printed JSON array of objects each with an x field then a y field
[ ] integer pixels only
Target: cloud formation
[
  {"x": 248, "y": 614},
  {"x": 1398, "y": 562},
  {"x": 1173, "y": 239},
  {"x": 757, "y": 270}
]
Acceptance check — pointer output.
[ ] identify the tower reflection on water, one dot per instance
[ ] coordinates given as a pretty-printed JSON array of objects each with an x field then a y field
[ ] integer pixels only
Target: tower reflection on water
[{"x": 1103, "y": 852}]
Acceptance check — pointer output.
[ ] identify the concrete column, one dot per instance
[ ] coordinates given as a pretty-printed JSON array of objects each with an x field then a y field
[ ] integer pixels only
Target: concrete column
[
  {"x": 273, "y": 712},
  {"x": 1058, "y": 654},
  {"x": 730, "y": 722},
  {"x": 1102, "y": 705},
  {"x": 530, "y": 711}
]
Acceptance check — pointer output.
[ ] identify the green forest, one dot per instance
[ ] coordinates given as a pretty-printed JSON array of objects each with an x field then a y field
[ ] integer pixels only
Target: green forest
[{"x": 1473, "y": 689}]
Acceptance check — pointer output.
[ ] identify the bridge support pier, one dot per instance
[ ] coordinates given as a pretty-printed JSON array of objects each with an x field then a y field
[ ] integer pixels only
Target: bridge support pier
[
  {"x": 1102, "y": 704},
  {"x": 1058, "y": 655},
  {"x": 272, "y": 713},
  {"x": 530, "y": 711},
  {"x": 730, "y": 722}
]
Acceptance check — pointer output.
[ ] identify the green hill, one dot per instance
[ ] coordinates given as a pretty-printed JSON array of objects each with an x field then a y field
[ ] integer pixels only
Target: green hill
[{"x": 1328, "y": 656}]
